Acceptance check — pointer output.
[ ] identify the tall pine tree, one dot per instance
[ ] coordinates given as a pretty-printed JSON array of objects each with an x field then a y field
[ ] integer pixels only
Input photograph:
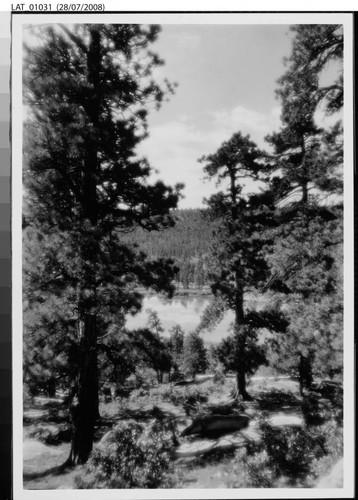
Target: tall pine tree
[
  {"x": 238, "y": 261},
  {"x": 87, "y": 89},
  {"x": 306, "y": 259}
]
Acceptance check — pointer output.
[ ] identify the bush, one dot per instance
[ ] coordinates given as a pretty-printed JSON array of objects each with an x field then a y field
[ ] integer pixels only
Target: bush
[
  {"x": 251, "y": 471},
  {"x": 287, "y": 457},
  {"x": 176, "y": 376},
  {"x": 291, "y": 450},
  {"x": 51, "y": 434},
  {"x": 331, "y": 435},
  {"x": 219, "y": 375},
  {"x": 132, "y": 458}
]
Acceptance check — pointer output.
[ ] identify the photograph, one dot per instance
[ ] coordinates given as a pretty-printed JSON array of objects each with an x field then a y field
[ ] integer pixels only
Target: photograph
[{"x": 181, "y": 202}]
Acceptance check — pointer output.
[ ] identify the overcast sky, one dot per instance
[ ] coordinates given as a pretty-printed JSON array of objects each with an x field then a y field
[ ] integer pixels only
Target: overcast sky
[{"x": 226, "y": 77}]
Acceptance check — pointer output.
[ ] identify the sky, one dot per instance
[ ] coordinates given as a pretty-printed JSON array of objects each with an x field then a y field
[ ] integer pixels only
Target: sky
[{"x": 226, "y": 76}]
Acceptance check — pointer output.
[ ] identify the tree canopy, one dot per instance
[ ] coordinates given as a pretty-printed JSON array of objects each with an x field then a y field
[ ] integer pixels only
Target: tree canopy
[{"x": 88, "y": 89}]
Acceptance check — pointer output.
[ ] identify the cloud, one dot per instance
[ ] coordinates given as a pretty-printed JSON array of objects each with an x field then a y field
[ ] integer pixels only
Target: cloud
[
  {"x": 248, "y": 121},
  {"x": 174, "y": 147}
]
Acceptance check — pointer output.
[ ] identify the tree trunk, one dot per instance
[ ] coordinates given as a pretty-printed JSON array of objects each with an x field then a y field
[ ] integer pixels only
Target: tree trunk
[
  {"x": 241, "y": 384},
  {"x": 51, "y": 389},
  {"x": 240, "y": 340},
  {"x": 85, "y": 409},
  {"x": 305, "y": 373}
]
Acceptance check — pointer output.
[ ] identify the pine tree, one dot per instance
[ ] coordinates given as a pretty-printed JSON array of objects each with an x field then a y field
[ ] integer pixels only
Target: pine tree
[
  {"x": 238, "y": 260},
  {"x": 87, "y": 89},
  {"x": 176, "y": 343},
  {"x": 305, "y": 261},
  {"x": 314, "y": 47},
  {"x": 194, "y": 355},
  {"x": 307, "y": 276}
]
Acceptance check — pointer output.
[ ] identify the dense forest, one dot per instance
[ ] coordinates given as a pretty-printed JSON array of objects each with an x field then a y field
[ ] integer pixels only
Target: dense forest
[
  {"x": 188, "y": 243},
  {"x": 97, "y": 232}
]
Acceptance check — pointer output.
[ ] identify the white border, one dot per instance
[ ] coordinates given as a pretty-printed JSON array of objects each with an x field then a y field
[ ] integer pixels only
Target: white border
[{"x": 297, "y": 18}]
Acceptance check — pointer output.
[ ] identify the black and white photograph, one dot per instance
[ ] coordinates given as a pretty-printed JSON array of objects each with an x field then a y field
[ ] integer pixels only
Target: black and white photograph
[{"x": 183, "y": 197}]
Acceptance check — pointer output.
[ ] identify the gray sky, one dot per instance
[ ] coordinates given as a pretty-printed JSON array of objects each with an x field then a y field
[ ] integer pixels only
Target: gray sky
[{"x": 226, "y": 77}]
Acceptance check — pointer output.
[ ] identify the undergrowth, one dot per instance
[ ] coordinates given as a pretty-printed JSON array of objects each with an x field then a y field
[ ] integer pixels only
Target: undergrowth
[
  {"x": 287, "y": 457},
  {"x": 131, "y": 458}
]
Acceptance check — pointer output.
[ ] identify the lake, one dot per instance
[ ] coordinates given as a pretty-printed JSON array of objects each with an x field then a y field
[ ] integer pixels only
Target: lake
[{"x": 184, "y": 311}]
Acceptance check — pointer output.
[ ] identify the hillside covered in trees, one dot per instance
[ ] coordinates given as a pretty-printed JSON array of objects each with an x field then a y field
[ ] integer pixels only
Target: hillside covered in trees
[{"x": 188, "y": 243}]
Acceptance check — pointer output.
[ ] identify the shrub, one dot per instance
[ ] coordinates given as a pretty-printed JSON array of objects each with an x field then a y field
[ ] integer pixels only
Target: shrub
[
  {"x": 251, "y": 471},
  {"x": 287, "y": 456},
  {"x": 51, "y": 434},
  {"x": 291, "y": 450},
  {"x": 219, "y": 375},
  {"x": 132, "y": 458},
  {"x": 331, "y": 436}
]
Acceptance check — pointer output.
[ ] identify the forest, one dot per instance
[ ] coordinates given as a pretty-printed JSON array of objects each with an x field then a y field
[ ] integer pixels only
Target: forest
[
  {"x": 187, "y": 243},
  {"x": 147, "y": 408}
]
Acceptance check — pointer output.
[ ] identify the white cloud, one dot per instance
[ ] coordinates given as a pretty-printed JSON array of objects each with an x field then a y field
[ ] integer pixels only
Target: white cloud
[
  {"x": 248, "y": 121},
  {"x": 174, "y": 147}
]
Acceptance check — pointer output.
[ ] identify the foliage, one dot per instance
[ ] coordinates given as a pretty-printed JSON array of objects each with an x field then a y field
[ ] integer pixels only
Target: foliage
[
  {"x": 313, "y": 299},
  {"x": 154, "y": 323},
  {"x": 254, "y": 354},
  {"x": 314, "y": 47},
  {"x": 50, "y": 434},
  {"x": 188, "y": 397},
  {"x": 187, "y": 243},
  {"x": 290, "y": 450},
  {"x": 219, "y": 375},
  {"x": 237, "y": 257},
  {"x": 131, "y": 459},
  {"x": 152, "y": 349},
  {"x": 176, "y": 346},
  {"x": 306, "y": 258},
  {"x": 251, "y": 471},
  {"x": 88, "y": 88},
  {"x": 194, "y": 355},
  {"x": 286, "y": 457},
  {"x": 334, "y": 452}
]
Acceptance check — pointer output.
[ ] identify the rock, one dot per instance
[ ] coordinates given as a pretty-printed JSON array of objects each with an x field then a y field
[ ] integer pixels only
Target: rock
[
  {"x": 284, "y": 420},
  {"x": 334, "y": 478},
  {"x": 216, "y": 424},
  {"x": 183, "y": 383},
  {"x": 195, "y": 449},
  {"x": 252, "y": 433},
  {"x": 204, "y": 446},
  {"x": 106, "y": 439},
  {"x": 219, "y": 407}
]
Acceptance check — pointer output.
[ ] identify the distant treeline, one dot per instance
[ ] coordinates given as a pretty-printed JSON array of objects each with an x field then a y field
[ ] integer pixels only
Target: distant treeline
[{"x": 187, "y": 243}]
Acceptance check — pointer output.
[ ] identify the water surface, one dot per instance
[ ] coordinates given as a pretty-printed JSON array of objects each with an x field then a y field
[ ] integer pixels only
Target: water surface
[{"x": 184, "y": 311}]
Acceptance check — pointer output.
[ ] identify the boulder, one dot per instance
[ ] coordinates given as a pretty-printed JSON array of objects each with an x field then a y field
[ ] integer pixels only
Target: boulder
[
  {"x": 219, "y": 407},
  {"x": 216, "y": 425},
  {"x": 285, "y": 420},
  {"x": 180, "y": 383}
]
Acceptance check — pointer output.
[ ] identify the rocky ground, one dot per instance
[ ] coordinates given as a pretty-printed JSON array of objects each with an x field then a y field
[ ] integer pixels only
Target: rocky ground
[{"x": 201, "y": 461}]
